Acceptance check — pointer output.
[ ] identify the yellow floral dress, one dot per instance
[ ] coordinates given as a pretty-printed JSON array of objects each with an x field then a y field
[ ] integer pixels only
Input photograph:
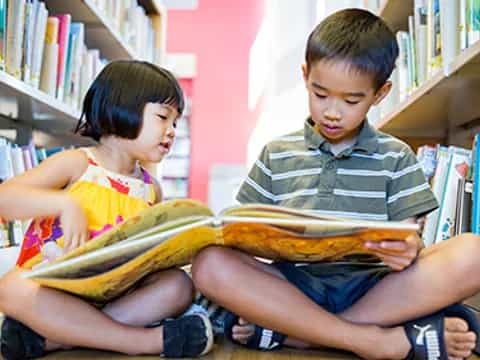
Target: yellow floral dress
[{"x": 107, "y": 198}]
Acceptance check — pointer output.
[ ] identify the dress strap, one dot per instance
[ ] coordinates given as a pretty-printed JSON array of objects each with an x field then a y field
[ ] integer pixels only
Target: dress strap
[{"x": 91, "y": 158}]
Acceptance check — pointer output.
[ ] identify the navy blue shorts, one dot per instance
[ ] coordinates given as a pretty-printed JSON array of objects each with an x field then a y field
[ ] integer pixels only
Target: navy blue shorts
[{"x": 333, "y": 286}]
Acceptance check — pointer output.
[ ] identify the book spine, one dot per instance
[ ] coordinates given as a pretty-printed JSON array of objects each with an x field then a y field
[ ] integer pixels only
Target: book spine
[
  {"x": 476, "y": 187},
  {"x": 39, "y": 44},
  {"x": 63, "y": 36},
  {"x": 3, "y": 33},
  {"x": 15, "y": 24},
  {"x": 48, "y": 77}
]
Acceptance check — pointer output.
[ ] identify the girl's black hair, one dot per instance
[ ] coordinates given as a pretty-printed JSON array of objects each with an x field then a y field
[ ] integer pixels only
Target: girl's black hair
[{"x": 115, "y": 101}]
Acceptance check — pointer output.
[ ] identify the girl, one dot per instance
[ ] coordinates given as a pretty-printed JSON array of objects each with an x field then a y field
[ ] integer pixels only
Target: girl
[{"x": 131, "y": 110}]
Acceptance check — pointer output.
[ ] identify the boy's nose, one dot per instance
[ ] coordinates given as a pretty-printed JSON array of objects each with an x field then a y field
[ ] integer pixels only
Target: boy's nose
[{"x": 332, "y": 113}]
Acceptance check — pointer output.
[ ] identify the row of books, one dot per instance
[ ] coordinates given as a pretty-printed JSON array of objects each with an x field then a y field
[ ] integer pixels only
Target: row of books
[
  {"x": 15, "y": 160},
  {"x": 437, "y": 33},
  {"x": 47, "y": 52},
  {"x": 134, "y": 26},
  {"x": 454, "y": 176}
]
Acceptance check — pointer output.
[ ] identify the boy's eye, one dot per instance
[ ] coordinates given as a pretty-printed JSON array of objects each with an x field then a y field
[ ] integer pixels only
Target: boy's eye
[
  {"x": 320, "y": 96},
  {"x": 352, "y": 102}
]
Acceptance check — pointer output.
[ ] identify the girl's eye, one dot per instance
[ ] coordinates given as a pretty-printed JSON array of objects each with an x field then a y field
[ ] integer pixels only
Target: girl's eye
[
  {"x": 350, "y": 102},
  {"x": 320, "y": 96},
  {"x": 163, "y": 117}
]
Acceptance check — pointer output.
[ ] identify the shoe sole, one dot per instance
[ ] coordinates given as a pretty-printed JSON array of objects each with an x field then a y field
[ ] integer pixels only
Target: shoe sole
[{"x": 208, "y": 331}]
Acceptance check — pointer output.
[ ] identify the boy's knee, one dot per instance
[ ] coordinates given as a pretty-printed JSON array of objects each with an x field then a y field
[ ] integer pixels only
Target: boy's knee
[
  {"x": 207, "y": 267},
  {"x": 468, "y": 244}
]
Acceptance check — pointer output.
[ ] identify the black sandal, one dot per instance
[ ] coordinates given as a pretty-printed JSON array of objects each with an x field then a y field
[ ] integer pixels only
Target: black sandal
[
  {"x": 426, "y": 334},
  {"x": 187, "y": 336},
  {"x": 18, "y": 341}
]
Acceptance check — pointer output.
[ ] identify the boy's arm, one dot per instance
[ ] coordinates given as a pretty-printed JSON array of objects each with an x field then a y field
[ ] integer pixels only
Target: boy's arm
[{"x": 409, "y": 197}]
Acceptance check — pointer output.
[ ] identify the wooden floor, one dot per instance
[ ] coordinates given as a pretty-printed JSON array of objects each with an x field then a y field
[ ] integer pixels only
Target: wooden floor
[{"x": 224, "y": 351}]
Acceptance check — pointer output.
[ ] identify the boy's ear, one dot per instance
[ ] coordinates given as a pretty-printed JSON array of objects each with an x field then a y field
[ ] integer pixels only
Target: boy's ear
[
  {"x": 305, "y": 73},
  {"x": 382, "y": 92}
]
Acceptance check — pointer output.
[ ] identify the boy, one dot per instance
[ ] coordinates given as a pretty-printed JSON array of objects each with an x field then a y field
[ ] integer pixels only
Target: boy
[{"x": 340, "y": 165}]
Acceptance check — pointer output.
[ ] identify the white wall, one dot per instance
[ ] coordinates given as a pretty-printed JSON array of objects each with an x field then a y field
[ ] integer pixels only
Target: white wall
[{"x": 276, "y": 60}]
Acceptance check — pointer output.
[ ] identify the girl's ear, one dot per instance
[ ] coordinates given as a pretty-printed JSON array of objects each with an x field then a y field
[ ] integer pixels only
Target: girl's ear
[{"x": 382, "y": 92}]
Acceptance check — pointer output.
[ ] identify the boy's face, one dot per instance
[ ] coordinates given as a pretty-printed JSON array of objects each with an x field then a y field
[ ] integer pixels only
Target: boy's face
[{"x": 339, "y": 98}]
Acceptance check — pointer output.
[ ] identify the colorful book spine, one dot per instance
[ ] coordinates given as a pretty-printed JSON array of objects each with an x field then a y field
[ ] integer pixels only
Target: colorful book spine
[{"x": 476, "y": 185}]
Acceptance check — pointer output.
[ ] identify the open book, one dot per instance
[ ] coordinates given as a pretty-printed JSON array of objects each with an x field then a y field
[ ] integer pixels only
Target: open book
[{"x": 171, "y": 233}]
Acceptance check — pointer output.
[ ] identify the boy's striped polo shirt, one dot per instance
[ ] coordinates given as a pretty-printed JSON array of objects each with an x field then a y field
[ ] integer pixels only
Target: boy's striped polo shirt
[{"x": 378, "y": 178}]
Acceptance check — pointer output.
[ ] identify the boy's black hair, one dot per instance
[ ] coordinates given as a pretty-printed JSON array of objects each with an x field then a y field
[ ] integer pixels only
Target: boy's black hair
[
  {"x": 115, "y": 101},
  {"x": 359, "y": 38}
]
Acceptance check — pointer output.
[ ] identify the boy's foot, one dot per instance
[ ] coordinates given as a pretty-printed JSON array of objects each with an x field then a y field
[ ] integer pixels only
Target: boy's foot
[
  {"x": 459, "y": 341},
  {"x": 187, "y": 336}
]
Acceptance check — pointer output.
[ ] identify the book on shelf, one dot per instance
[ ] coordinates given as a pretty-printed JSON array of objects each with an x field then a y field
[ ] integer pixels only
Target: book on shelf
[
  {"x": 47, "y": 51},
  {"x": 463, "y": 213},
  {"x": 171, "y": 233},
  {"x": 455, "y": 184},
  {"x": 436, "y": 35},
  {"x": 475, "y": 174},
  {"x": 14, "y": 161}
]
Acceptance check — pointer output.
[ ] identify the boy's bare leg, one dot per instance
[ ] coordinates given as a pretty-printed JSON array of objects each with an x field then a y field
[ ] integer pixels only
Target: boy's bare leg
[
  {"x": 255, "y": 287},
  {"x": 65, "y": 319}
]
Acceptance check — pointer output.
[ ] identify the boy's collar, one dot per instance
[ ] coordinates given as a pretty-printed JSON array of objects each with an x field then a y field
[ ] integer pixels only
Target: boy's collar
[{"x": 367, "y": 139}]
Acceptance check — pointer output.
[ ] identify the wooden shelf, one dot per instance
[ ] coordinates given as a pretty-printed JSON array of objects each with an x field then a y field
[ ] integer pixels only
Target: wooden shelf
[
  {"x": 99, "y": 31},
  {"x": 396, "y": 12},
  {"x": 153, "y": 7},
  {"x": 443, "y": 103},
  {"x": 21, "y": 101}
]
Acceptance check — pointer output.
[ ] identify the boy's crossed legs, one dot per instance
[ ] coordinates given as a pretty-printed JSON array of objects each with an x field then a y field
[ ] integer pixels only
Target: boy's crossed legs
[
  {"x": 66, "y": 321},
  {"x": 442, "y": 275}
]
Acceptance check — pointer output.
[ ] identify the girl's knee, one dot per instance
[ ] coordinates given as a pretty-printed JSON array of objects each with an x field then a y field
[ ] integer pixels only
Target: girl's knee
[{"x": 10, "y": 286}]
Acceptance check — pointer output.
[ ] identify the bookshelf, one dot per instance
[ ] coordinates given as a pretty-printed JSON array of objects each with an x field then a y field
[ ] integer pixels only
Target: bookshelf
[
  {"x": 29, "y": 106},
  {"x": 33, "y": 106},
  {"x": 100, "y": 33},
  {"x": 439, "y": 104},
  {"x": 444, "y": 105}
]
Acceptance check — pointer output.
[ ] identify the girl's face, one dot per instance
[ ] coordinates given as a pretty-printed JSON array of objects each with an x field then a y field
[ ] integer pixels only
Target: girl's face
[{"x": 157, "y": 133}]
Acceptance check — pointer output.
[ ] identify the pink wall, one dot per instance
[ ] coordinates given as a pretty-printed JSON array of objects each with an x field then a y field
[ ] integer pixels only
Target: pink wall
[{"x": 221, "y": 34}]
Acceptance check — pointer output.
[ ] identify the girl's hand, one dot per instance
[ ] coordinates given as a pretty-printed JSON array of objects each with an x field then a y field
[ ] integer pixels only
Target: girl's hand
[
  {"x": 397, "y": 254},
  {"x": 74, "y": 224}
]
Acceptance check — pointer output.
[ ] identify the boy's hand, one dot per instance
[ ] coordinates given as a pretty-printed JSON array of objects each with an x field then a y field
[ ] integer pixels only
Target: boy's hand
[
  {"x": 74, "y": 224},
  {"x": 396, "y": 254}
]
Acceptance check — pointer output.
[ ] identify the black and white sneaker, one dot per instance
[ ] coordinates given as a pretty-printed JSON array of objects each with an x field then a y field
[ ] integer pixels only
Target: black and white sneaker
[{"x": 187, "y": 336}]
